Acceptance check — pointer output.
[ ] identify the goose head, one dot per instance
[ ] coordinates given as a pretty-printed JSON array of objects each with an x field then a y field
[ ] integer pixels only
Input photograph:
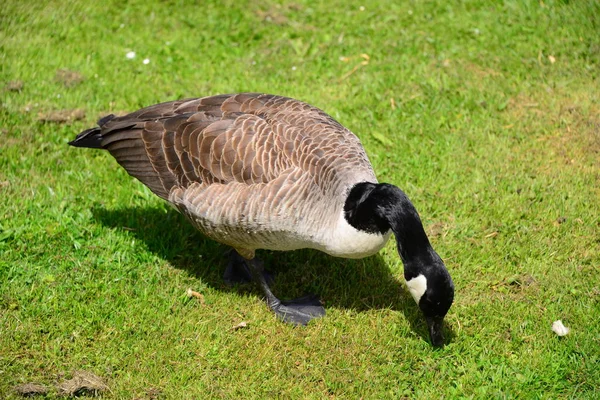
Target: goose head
[
  {"x": 379, "y": 208},
  {"x": 430, "y": 285}
]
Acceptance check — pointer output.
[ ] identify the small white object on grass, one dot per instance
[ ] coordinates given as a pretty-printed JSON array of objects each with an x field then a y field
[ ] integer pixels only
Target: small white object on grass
[
  {"x": 130, "y": 55},
  {"x": 559, "y": 328},
  {"x": 146, "y": 61}
]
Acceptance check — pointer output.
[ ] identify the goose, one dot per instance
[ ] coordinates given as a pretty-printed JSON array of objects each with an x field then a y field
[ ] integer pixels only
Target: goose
[{"x": 259, "y": 171}]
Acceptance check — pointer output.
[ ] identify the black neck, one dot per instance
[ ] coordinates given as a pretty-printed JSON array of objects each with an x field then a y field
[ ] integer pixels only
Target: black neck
[{"x": 377, "y": 208}]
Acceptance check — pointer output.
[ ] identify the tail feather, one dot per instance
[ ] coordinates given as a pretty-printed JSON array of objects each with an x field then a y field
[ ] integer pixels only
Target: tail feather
[
  {"x": 105, "y": 119},
  {"x": 92, "y": 137},
  {"x": 141, "y": 157}
]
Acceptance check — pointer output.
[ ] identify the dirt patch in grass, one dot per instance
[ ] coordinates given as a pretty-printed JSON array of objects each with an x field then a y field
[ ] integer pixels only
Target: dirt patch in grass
[
  {"x": 439, "y": 229},
  {"x": 31, "y": 389},
  {"x": 154, "y": 394},
  {"x": 14, "y": 86},
  {"x": 576, "y": 142},
  {"x": 62, "y": 116},
  {"x": 82, "y": 383},
  {"x": 277, "y": 14},
  {"x": 522, "y": 104},
  {"x": 68, "y": 78},
  {"x": 272, "y": 16},
  {"x": 574, "y": 137},
  {"x": 477, "y": 70},
  {"x": 515, "y": 284},
  {"x": 585, "y": 127}
]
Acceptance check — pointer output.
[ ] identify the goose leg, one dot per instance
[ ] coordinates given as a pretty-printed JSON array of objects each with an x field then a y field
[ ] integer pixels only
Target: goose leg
[
  {"x": 298, "y": 312},
  {"x": 238, "y": 272}
]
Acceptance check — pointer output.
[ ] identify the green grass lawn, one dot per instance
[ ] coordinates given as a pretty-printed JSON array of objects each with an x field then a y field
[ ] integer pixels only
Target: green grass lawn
[{"x": 486, "y": 113}]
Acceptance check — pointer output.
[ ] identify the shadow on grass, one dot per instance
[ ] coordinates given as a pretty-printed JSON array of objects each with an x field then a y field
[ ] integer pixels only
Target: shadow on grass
[{"x": 351, "y": 284}]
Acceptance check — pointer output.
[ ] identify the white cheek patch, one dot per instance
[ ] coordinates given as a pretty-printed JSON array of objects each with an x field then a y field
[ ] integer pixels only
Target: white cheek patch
[{"x": 417, "y": 287}]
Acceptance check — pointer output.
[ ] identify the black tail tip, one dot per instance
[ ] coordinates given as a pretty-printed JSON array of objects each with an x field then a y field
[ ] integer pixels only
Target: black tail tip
[{"x": 91, "y": 138}]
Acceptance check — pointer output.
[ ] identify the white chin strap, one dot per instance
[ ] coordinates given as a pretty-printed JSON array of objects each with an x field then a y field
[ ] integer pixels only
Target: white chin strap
[{"x": 417, "y": 287}]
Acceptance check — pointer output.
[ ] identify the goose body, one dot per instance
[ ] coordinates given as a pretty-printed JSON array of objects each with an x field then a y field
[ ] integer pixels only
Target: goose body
[{"x": 258, "y": 171}]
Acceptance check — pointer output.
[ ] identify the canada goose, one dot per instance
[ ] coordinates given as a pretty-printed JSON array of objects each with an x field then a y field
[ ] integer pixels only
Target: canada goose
[{"x": 258, "y": 171}]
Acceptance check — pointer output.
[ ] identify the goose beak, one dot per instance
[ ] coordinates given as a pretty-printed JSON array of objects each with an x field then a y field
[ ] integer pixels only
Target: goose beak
[{"x": 435, "y": 330}]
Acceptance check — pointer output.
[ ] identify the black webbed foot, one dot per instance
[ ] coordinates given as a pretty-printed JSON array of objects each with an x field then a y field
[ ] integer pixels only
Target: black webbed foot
[{"x": 298, "y": 311}]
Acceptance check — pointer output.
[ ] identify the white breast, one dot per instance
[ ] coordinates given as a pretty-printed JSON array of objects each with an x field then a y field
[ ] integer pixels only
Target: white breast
[{"x": 348, "y": 242}]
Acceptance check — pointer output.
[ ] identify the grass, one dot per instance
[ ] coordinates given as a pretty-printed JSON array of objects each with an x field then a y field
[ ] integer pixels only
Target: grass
[{"x": 486, "y": 113}]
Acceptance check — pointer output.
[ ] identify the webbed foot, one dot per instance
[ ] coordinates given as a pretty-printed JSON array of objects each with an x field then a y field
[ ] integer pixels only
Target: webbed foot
[{"x": 298, "y": 311}]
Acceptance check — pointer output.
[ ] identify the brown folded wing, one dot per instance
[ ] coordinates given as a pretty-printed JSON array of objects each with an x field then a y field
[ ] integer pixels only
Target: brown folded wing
[{"x": 239, "y": 162}]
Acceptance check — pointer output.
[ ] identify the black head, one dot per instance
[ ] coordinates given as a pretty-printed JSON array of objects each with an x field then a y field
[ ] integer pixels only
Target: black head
[{"x": 432, "y": 288}]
